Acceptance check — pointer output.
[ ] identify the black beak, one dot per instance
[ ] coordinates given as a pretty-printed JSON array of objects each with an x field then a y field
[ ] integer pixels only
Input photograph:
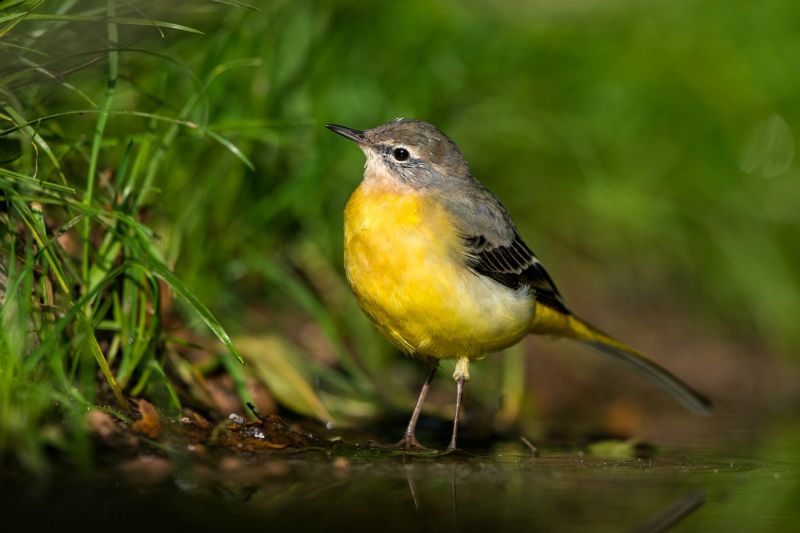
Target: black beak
[{"x": 354, "y": 135}]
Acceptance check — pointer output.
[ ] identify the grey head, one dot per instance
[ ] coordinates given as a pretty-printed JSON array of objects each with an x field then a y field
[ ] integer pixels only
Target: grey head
[
  {"x": 419, "y": 155},
  {"x": 413, "y": 151}
]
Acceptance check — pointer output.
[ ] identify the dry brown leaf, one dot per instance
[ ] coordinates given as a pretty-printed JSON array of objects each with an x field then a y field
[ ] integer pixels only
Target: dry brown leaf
[{"x": 150, "y": 422}]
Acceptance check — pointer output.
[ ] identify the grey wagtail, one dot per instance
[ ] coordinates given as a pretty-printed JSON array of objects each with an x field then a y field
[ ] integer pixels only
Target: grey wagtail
[{"x": 436, "y": 262}]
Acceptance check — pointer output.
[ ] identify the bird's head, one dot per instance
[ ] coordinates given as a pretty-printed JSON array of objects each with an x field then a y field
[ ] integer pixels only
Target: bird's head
[{"x": 412, "y": 151}]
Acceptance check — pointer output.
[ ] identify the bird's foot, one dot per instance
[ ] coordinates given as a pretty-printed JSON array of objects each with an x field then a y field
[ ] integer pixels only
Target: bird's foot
[{"x": 409, "y": 443}]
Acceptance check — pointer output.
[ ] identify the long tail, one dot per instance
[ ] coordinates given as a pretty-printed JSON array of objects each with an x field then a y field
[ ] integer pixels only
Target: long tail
[{"x": 573, "y": 327}]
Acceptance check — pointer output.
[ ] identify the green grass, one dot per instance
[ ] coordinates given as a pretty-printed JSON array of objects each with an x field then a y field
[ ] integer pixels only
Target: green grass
[{"x": 154, "y": 154}]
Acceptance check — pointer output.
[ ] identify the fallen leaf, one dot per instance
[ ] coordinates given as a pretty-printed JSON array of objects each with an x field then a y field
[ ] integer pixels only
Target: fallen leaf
[
  {"x": 274, "y": 362},
  {"x": 150, "y": 422}
]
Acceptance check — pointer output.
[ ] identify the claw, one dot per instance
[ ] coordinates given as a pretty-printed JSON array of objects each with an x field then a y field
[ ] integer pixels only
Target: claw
[{"x": 410, "y": 443}]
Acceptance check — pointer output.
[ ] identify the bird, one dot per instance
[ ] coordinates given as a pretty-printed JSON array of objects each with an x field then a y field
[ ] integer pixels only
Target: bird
[{"x": 435, "y": 260}]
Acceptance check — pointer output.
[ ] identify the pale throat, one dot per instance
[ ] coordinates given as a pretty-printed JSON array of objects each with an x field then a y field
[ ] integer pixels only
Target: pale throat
[{"x": 378, "y": 176}]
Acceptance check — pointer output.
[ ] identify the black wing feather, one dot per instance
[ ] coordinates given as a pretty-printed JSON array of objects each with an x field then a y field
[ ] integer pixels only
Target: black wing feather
[{"x": 514, "y": 266}]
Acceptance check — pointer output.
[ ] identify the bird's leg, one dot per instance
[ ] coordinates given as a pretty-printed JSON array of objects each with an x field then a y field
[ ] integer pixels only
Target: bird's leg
[
  {"x": 409, "y": 440},
  {"x": 461, "y": 375}
]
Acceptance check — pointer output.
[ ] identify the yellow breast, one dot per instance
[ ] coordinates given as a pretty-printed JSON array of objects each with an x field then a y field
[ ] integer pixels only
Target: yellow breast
[{"x": 405, "y": 261}]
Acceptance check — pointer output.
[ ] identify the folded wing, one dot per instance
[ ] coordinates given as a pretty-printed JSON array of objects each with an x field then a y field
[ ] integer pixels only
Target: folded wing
[{"x": 514, "y": 266}]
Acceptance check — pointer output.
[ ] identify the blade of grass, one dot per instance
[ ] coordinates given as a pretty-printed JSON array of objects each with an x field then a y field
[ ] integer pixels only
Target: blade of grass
[
  {"x": 30, "y": 220},
  {"x": 111, "y": 19},
  {"x": 21, "y": 178},
  {"x": 197, "y": 306},
  {"x": 187, "y": 123},
  {"x": 236, "y": 372},
  {"x": 236, "y": 4},
  {"x": 65, "y": 84},
  {"x": 111, "y": 83},
  {"x": 27, "y": 128}
]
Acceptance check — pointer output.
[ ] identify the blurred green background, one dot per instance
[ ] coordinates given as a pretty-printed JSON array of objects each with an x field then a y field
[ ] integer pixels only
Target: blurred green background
[{"x": 645, "y": 150}]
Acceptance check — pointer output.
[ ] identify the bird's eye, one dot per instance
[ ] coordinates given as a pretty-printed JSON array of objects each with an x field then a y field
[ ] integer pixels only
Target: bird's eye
[{"x": 401, "y": 154}]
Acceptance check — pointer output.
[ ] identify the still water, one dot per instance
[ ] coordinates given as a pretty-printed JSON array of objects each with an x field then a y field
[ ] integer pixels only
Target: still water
[{"x": 371, "y": 490}]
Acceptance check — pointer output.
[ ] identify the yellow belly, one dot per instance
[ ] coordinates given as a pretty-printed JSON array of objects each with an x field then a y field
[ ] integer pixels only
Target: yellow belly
[{"x": 404, "y": 260}]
